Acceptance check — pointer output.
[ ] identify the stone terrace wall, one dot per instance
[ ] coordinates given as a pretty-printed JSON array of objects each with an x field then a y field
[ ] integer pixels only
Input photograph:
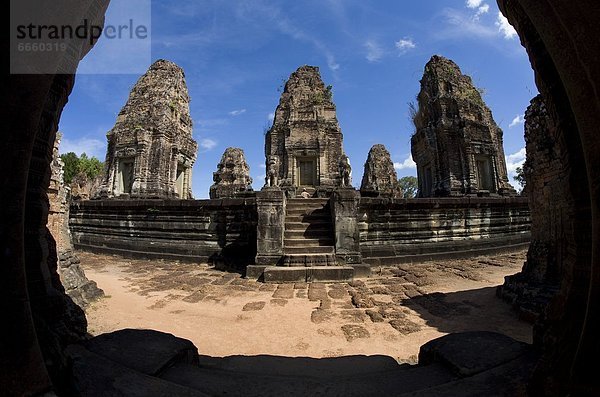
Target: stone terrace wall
[
  {"x": 406, "y": 230},
  {"x": 214, "y": 231},
  {"x": 224, "y": 230}
]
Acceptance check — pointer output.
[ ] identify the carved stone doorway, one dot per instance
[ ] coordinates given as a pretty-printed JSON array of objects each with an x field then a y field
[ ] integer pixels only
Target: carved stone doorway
[{"x": 307, "y": 172}]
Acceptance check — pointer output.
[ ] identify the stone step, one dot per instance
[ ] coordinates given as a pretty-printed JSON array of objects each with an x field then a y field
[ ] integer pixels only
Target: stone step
[
  {"x": 309, "y": 250},
  {"x": 310, "y": 260},
  {"x": 307, "y": 242},
  {"x": 299, "y": 225},
  {"x": 308, "y": 218},
  {"x": 308, "y": 233},
  {"x": 293, "y": 274},
  {"x": 308, "y": 211},
  {"x": 308, "y": 201}
]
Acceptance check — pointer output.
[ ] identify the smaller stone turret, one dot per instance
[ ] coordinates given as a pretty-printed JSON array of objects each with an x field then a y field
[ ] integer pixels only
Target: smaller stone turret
[
  {"x": 380, "y": 178},
  {"x": 232, "y": 176}
]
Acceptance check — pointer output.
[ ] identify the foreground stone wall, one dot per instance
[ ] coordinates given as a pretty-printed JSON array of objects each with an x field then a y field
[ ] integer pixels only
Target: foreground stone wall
[
  {"x": 214, "y": 231},
  {"x": 406, "y": 230}
]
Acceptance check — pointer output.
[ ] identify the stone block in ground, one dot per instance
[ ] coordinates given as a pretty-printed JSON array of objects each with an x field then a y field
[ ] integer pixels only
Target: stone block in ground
[
  {"x": 469, "y": 353},
  {"x": 276, "y": 274},
  {"x": 143, "y": 350},
  {"x": 330, "y": 273},
  {"x": 255, "y": 272}
]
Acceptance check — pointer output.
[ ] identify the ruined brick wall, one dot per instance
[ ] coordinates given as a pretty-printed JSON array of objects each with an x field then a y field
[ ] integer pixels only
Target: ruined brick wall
[
  {"x": 531, "y": 290},
  {"x": 406, "y": 230},
  {"x": 215, "y": 231},
  {"x": 82, "y": 290}
]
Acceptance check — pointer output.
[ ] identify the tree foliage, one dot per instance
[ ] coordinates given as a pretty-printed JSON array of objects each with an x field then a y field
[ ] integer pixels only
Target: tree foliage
[
  {"x": 409, "y": 186},
  {"x": 90, "y": 167},
  {"x": 519, "y": 177}
]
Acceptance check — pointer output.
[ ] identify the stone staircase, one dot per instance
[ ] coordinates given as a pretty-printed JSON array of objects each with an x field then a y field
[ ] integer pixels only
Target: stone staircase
[
  {"x": 309, "y": 247},
  {"x": 308, "y": 239}
]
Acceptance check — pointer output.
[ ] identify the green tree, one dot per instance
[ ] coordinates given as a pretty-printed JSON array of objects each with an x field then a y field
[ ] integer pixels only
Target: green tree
[
  {"x": 409, "y": 186},
  {"x": 520, "y": 177},
  {"x": 74, "y": 165},
  {"x": 90, "y": 166},
  {"x": 71, "y": 166}
]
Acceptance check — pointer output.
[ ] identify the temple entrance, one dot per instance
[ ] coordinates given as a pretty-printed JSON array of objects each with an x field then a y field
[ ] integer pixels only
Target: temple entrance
[
  {"x": 307, "y": 172},
  {"x": 125, "y": 176},
  {"x": 484, "y": 174},
  {"x": 179, "y": 181}
]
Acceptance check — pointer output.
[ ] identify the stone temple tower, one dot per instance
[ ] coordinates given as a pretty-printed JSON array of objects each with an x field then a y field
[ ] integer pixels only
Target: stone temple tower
[
  {"x": 457, "y": 145},
  {"x": 150, "y": 150},
  {"x": 303, "y": 148}
]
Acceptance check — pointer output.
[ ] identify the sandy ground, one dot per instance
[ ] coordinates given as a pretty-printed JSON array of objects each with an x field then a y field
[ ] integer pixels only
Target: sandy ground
[{"x": 392, "y": 313}]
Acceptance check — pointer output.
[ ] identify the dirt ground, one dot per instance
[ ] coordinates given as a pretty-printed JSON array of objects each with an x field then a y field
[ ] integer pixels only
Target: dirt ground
[{"x": 391, "y": 313}]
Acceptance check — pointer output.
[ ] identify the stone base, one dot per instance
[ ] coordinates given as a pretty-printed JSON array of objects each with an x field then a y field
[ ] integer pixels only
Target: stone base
[
  {"x": 277, "y": 274},
  {"x": 255, "y": 272},
  {"x": 362, "y": 270}
]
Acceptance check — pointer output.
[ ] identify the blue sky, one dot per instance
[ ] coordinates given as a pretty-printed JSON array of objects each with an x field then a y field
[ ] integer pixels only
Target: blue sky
[{"x": 236, "y": 55}]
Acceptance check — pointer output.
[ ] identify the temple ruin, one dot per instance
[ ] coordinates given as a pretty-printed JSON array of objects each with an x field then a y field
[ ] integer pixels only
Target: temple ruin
[
  {"x": 150, "y": 150},
  {"x": 232, "y": 177},
  {"x": 457, "y": 146},
  {"x": 303, "y": 148},
  {"x": 48, "y": 352},
  {"x": 380, "y": 178}
]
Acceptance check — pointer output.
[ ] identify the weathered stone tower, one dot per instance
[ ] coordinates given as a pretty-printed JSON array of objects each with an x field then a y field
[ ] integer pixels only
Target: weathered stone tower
[
  {"x": 380, "y": 178},
  {"x": 303, "y": 148},
  {"x": 232, "y": 176},
  {"x": 457, "y": 145},
  {"x": 150, "y": 149}
]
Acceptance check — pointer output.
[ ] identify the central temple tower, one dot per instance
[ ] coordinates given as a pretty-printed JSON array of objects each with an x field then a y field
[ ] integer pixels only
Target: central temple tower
[{"x": 303, "y": 148}]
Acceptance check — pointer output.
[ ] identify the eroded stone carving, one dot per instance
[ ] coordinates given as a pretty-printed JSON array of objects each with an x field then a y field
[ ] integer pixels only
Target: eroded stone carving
[
  {"x": 457, "y": 145},
  {"x": 380, "y": 178},
  {"x": 150, "y": 150},
  {"x": 232, "y": 176},
  {"x": 345, "y": 171},
  {"x": 305, "y": 136}
]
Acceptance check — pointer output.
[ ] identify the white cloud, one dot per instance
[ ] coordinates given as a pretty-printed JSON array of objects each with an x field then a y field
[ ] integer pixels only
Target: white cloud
[
  {"x": 405, "y": 44},
  {"x": 262, "y": 165},
  {"x": 513, "y": 161},
  {"x": 90, "y": 146},
  {"x": 474, "y": 3},
  {"x": 237, "y": 112},
  {"x": 505, "y": 28},
  {"x": 519, "y": 119},
  {"x": 271, "y": 116},
  {"x": 374, "y": 51},
  {"x": 208, "y": 144},
  {"x": 331, "y": 63},
  {"x": 408, "y": 163},
  {"x": 484, "y": 9}
]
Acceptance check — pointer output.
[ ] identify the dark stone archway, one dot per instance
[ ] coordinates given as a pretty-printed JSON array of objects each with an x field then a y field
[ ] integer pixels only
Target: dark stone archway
[{"x": 562, "y": 41}]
